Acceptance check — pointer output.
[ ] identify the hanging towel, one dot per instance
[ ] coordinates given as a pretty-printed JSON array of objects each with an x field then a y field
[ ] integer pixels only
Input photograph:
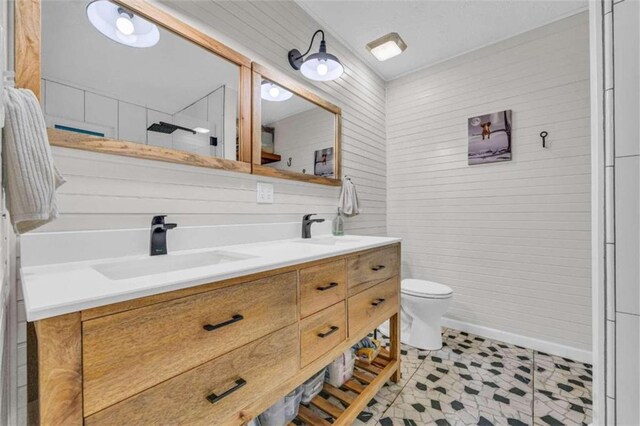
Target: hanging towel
[
  {"x": 30, "y": 176},
  {"x": 348, "y": 203}
]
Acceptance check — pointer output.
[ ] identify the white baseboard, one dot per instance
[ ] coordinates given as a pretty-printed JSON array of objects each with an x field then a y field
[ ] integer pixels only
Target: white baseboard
[{"x": 516, "y": 339}]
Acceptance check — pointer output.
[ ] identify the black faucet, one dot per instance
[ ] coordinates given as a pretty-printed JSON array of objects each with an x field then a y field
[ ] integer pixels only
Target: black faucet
[
  {"x": 159, "y": 235},
  {"x": 306, "y": 224}
]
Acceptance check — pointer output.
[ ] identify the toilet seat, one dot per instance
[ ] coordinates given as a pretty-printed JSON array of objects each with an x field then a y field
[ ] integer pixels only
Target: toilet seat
[{"x": 425, "y": 289}]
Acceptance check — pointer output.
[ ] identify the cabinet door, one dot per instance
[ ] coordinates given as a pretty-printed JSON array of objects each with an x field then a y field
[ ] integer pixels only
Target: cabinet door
[
  {"x": 322, "y": 332},
  {"x": 322, "y": 286},
  {"x": 370, "y": 268},
  {"x": 373, "y": 306}
]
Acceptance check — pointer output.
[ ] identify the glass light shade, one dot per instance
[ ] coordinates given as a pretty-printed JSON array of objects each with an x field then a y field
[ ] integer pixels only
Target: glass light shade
[
  {"x": 322, "y": 67},
  {"x": 108, "y": 19},
  {"x": 273, "y": 92},
  {"x": 387, "y": 46},
  {"x": 386, "y": 51}
]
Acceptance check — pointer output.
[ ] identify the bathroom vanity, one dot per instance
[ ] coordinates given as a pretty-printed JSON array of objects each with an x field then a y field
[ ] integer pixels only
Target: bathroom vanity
[
  {"x": 205, "y": 334},
  {"x": 210, "y": 350}
]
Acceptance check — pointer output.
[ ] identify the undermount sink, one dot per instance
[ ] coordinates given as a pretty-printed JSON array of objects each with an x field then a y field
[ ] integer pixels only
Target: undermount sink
[
  {"x": 151, "y": 265},
  {"x": 328, "y": 241}
]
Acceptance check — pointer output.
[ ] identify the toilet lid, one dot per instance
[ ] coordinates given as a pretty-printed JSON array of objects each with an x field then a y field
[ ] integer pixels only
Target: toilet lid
[{"x": 422, "y": 288}]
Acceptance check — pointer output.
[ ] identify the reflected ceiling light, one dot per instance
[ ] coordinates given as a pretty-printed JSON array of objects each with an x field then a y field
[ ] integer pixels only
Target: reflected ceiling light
[
  {"x": 122, "y": 26},
  {"x": 321, "y": 66},
  {"x": 201, "y": 130},
  {"x": 273, "y": 92},
  {"x": 124, "y": 23},
  {"x": 387, "y": 46}
]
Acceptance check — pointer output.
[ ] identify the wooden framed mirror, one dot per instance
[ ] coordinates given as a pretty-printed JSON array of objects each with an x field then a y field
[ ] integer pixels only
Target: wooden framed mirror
[
  {"x": 296, "y": 134},
  {"x": 184, "y": 99}
]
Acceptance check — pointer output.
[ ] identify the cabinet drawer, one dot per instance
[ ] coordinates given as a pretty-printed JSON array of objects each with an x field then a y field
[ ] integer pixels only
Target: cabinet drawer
[
  {"x": 373, "y": 306},
  {"x": 246, "y": 374},
  {"x": 370, "y": 268},
  {"x": 128, "y": 352},
  {"x": 322, "y": 332},
  {"x": 321, "y": 286}
]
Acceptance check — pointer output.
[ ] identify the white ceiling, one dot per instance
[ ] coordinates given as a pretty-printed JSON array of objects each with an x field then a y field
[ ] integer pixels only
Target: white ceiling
[
  {"x": 434, "y": 30},
  {"x": 167, "y": 77},
  {"x": 276, "y": 111}
]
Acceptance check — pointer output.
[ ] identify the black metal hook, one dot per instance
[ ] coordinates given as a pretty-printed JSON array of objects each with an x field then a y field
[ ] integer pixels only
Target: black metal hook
[
  {"x": 543, "y": 135},
  {"x": 289, "y": 162}
]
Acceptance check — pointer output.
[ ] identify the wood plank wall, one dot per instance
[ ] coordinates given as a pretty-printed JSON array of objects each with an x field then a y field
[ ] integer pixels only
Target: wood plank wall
[
  {"x": 105, "y": 192},
  {"x": 512, "y": 239},
  {"x": 110, "y": 192}
]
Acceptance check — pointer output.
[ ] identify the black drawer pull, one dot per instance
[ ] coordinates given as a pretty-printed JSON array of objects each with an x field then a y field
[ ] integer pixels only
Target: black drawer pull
[
  {"x": 213, "y": 398},
  {"x": 377, "y": 302},
  {"x": 332, "y": 330},
  {"x": 327, "y": 287},
  {"x": 377, "y": 268},
  {"x": 211, "y": 327}
]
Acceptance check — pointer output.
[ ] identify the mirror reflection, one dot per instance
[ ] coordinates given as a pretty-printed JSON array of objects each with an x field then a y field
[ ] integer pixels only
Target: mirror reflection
[
  {"x": 297, "y": 134},
  {"x": 108, "y": 72}
]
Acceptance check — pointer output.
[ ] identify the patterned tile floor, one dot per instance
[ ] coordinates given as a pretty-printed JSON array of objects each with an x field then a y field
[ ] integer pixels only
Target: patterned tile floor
[{"x": 478, "y": 381}]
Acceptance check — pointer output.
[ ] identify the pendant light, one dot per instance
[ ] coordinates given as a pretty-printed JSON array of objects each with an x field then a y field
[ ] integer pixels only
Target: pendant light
[
  {"x": 321, "y": 66},
  {"x": 121, "y": 25},
  {"x": 274, "y": 93}
]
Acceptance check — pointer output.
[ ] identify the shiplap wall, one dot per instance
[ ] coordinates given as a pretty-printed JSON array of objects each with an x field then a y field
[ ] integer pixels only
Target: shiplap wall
[
  {"x": 512, "y": 239},
  {"x": 116, "y": 192},
  {"x": 110, "y": 192}
]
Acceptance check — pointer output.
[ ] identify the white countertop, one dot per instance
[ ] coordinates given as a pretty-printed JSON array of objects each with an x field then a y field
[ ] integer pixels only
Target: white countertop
[{"x": 56, "y": 289}]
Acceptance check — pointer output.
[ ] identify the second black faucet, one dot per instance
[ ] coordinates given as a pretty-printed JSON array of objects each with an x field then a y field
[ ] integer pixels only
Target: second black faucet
[{"x": 306, "y": 224}]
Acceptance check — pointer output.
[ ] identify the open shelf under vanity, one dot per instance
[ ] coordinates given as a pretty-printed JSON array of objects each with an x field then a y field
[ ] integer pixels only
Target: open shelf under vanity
[{"x": 353, "y": 396}]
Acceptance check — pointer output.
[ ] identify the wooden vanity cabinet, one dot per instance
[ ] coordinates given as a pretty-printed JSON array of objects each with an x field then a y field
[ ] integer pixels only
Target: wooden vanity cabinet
[
  {"x": 322, "y": 332},
  {"x": 128, "y": 352},
  {"x": 322, "y": 286},
  {"x": 219, "y": 353}
]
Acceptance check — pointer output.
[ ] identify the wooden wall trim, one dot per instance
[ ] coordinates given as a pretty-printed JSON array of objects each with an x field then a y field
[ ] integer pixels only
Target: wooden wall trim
[
  {"x": 337, "y": 154},
  {"x": 137, "y": 150},
  {"x": 28, "y": 67},
  {"x": 301, "y": 177},
  {"x": 60, "y": 370},
  {"x": 299, "y": 89},
  {"x": 27, "y": 57},
  {"x": 175, "y": 25},
  {"x": 256, "y": 118},
  {"x": 261, "y": 72},
  {"x": 245, "y": 135}
]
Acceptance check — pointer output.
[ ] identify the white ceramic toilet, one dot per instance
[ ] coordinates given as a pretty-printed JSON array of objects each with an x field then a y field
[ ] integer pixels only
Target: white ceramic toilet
[{"x": 423, "y": 304}]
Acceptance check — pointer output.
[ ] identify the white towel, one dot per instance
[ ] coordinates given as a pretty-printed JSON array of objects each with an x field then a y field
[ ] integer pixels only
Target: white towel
[
  {"x": 348, "y": 203},
  {"x": 30, "y": 176}
]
